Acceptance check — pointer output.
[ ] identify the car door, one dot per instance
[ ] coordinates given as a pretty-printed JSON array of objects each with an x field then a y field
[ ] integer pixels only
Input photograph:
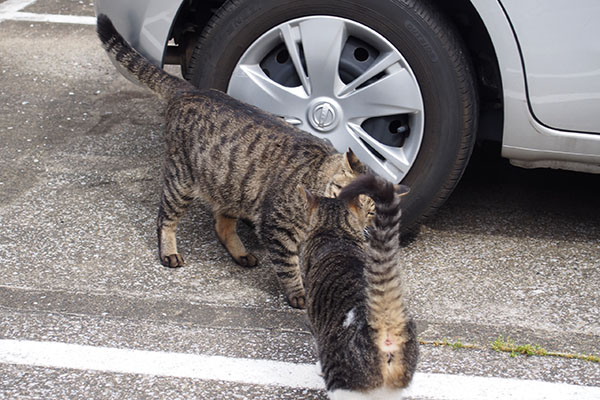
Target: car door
[{"x": 560, "y": 51}]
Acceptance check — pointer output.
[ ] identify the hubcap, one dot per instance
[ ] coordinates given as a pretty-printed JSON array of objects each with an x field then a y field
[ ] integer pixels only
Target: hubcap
[
  {"x": 341, "y": 81},
  {"x": 323, "y": 116}
]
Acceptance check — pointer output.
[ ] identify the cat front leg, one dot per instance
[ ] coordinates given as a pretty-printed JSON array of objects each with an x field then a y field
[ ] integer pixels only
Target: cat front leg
[
  {"x": 282, "y": 246},
  {"x": 227, "y": 235},
  {"x": 288, "y": 273}
]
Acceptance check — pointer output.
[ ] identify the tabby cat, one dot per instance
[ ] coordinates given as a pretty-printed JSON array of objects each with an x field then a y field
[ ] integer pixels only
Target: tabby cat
[
  {"x": 366, "y": 341},
  {"x": 241, "y": 161}
]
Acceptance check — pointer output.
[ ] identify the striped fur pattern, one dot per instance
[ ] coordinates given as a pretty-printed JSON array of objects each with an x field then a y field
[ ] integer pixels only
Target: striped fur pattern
[
  {"x": 366, "y": 340},
  {"x": 242, "y": 162}
]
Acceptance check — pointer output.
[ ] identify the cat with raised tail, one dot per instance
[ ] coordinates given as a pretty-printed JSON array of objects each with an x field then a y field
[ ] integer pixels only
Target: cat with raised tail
[
  {"x": 366, "y": 339},
  {"x": 242, "y": 162}
]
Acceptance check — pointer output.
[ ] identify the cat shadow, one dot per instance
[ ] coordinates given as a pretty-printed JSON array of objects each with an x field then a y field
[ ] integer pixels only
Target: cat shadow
[{"x": 203, "y": 253}]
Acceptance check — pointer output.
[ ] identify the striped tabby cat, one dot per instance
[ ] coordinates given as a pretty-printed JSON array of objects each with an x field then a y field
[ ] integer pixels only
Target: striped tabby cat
[
  {"x": 242, "y": 162},
  {"x": 366, "y": 341}
]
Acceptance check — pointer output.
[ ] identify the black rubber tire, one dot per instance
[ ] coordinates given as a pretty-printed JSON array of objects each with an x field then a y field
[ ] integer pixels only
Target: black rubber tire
[{"x": 428, "y": 42}]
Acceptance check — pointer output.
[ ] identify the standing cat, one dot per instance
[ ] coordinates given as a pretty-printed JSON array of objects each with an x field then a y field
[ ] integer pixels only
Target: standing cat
[
  {"x": 366, "y": 341},
  {"x": 241, "y": 161}
]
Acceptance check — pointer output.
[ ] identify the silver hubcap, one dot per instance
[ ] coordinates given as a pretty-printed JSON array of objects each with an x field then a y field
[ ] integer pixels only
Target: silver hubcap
[
  {"x": 350, "y": 86},
  {"x": 323, "y": 115}
]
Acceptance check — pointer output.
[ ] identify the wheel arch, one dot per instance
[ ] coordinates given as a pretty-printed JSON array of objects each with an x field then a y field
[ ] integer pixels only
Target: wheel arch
[{"x": 472, "y": 29}]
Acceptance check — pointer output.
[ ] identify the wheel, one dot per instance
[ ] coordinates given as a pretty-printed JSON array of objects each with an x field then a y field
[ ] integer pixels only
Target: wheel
[{"x": 389, "y": 79}]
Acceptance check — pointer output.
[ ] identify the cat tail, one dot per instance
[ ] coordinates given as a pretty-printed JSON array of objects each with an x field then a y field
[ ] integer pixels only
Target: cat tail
[
  {"x": 148, "y": 74},
  {"x": 387, "y": 314}
]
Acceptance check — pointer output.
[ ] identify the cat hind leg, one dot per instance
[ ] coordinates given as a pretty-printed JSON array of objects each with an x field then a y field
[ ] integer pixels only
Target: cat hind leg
[
  {"x": 167, "y": 242},
  {"x": 175, "y": 199}
]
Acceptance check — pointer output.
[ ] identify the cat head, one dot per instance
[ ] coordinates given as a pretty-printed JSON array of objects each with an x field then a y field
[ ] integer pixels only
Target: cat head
[
  {"x": 346, "y": 167},
  {"x": 345, "y": 171},
  {"x": 349, "y": 216}
]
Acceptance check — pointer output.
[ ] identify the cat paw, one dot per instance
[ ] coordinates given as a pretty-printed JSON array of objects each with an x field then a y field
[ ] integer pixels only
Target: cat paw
[
  {"x": 297, "y": 301},
  {"x": 247, "y": 261},
  {"x": 172, "y": 261}
]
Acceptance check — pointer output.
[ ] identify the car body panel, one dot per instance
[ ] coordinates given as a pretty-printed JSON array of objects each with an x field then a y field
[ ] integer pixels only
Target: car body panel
[
  {"x": 526, "y": 141},
  {"x": 561, "y": 55},
  {"x": 145, "y": 24}
]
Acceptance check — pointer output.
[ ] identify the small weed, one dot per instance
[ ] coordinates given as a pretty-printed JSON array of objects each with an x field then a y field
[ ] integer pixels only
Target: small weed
[
  {"x": 502, "y": 344},
  {"x": 531, "y": 350},
  {"x": 446, "y": 343},
  {"x": 457, "y": 345},
  {"x": 595, "y": 359},
  {"x": 507, "y": 345}
]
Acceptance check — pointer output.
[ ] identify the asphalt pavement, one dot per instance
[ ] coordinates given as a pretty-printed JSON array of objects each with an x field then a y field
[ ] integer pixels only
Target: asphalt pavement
[{"x": 512, "y": 257}]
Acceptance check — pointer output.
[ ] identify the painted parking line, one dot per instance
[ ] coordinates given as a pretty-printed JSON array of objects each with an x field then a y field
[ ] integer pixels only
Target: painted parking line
[
  {"x": 12, "y": 6},
  {"x": 63, "y": 355},
  {"x": 268, "y": 372},
  {"x": 59, "y": 19},
  {"x": 10, "y": 10}
]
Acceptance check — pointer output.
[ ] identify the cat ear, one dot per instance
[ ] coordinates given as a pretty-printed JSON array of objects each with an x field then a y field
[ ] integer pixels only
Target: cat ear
[
  {"x": 353, "y": 163},
  {"x": 401, "y": 190},
  {"x": 355, "y": 207},
  {"x": 310, "y": 201}
]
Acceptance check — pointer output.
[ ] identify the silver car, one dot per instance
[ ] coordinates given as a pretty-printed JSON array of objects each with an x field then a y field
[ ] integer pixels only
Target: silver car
[{"x": 410, "y": 86}]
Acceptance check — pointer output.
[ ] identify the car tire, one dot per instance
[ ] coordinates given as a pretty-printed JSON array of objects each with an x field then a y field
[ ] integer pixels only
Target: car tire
[{"x": 426, "y": 40}]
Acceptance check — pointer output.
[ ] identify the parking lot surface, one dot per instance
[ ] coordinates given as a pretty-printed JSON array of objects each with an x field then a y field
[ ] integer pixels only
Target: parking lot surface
[{"x": 513, "y": 256}]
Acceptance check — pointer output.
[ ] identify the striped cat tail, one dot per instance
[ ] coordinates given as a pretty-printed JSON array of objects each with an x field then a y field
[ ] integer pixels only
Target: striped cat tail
[
  {"x": 394, "y": 330},
  {"x": 148, "y": 74}
]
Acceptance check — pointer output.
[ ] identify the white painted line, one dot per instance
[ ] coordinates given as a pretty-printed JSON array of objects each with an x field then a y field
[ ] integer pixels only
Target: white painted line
[
  {"x": 61, "y": 19},
  {"x": 462, "y": 387},
  {"x": 11, "y": 6},
  {"x": 268, "y": 372},
  {"x": 63, "y": 355}
]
